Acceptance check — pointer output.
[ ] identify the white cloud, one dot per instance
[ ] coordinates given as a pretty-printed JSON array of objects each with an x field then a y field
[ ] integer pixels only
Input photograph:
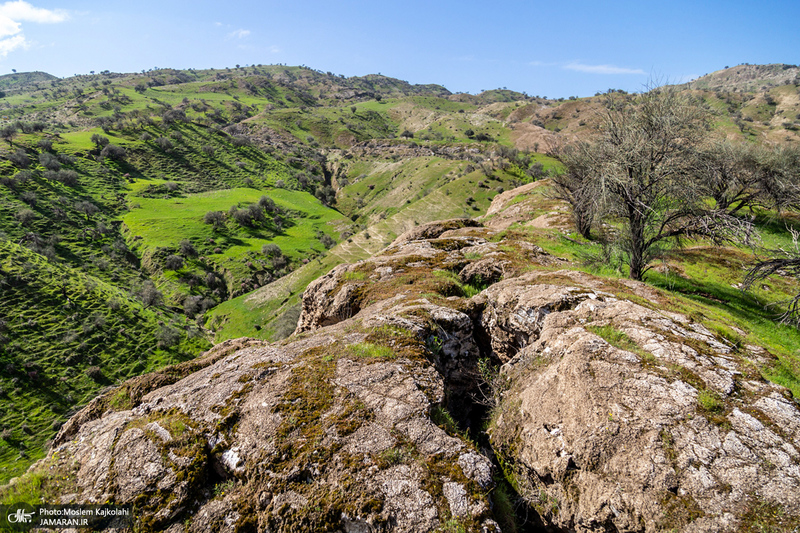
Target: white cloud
[
  {"x": 239, "y": 34},
  {"x": 12, "y": 43},
  {"x": 21, "y": 10},
  {"x": 13, "y": 14},
  {"x": 602, "y": 69},
  {"x": 542, "y": 64}
]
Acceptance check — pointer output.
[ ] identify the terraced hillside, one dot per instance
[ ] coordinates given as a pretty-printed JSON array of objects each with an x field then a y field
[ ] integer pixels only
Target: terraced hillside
[
  {"x": 209, "y": 199},
  {"x": 181, "y": 190}
]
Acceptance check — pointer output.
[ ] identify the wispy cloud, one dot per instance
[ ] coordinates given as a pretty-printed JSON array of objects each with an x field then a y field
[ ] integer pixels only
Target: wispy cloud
[
  {"x": 13, "y": 14},
  {"x": 601, "y": 69},
  {"x": 239, "y": 34},
  {"x": 543, "y": 64}
]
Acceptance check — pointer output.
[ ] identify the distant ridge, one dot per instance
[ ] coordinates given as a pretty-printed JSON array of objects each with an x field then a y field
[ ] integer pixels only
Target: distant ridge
[
  {"x": 746, "y": 77},
  {"x": 21, "y": 80}
]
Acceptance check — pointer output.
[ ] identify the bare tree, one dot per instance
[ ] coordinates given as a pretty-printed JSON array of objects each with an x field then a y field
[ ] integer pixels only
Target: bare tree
[
  {"x": 643, "y": 169},
  {"x": 578, "y": 186},
  {"x": 785, "y": 262},
  {"x": 739, "y": 176}
]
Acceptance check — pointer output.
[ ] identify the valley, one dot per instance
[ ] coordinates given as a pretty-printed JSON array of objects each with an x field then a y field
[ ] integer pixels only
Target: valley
[{"x": 148, "y": 218}]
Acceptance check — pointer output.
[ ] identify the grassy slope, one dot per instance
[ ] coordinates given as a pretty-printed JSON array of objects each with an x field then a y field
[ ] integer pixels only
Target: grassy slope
[
  {"x": 386, "y": 197},
  {"x": 158, "y": 195},
  {"x": 701, "y": 282},
  {"x": 304, "y": 126},
  {"x": 57, "y": 323},
  {"x": 234, "y": 251}
]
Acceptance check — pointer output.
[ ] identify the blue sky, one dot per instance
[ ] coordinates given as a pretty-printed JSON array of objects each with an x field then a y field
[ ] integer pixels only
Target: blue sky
[{"x": 554, "y": 49}]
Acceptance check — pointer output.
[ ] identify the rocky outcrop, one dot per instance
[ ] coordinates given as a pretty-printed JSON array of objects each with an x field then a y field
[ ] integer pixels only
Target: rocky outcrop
[
  {"x": 625, "y": 417},
  {"x": 611, "y": 412},
  {"x": 331, "y": 431}
]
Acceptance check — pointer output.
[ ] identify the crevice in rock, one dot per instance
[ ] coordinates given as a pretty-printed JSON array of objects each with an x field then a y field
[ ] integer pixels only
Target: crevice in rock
[{"x": 468, "y": 399}]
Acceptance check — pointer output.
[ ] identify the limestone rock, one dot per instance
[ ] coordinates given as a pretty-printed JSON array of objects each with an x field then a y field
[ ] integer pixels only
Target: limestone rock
[
  {"x": 610, "y": 413},
  {"x": 655, "y": 435}
]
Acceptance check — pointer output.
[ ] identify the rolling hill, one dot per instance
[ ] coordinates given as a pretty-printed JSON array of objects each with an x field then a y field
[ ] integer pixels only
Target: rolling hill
[{"x": 145, "y": 216}]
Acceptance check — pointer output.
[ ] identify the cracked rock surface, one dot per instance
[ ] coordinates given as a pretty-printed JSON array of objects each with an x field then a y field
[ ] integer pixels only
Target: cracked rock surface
[{"x": 611, "y": 413}]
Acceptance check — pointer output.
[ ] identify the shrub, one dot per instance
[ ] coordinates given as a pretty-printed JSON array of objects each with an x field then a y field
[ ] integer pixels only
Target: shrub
[
  {"x": 20, "y": 158},
  {"x": 192, "y": 305},
  {"x": 23, "y": 176},
  {"x": 242, "y": 217},
  {"x": 164, "y": 143},
  {"x": 187, "y": 248},
  {"x": 167, "y": 336},
  {"x": 150, "y": 295},
  {"x": 112, "y": 151},
  {"x": 29, "y": 197},
  {"x": 67, "y": 177},
  {"x": 271, "y": 250},
  {"x": 327, "y": 241},
  {"x": 99, "y": 140},
  {"x": 217, "y": 218},
  {"x": 66, "y": 159},
  {"x": 94, "y": 373},
  {"x": 173, "y": 262},
  {"x": 87, "y": 208},
  {"x": 49, "y": 161},
  {"x": 267, "y": 203},
  {"x": 240, "y": 140},
  {"x": 25, "y": 216}
]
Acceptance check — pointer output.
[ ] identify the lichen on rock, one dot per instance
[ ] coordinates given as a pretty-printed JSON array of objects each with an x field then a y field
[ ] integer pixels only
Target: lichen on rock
[{"x": 615, "y": 413}]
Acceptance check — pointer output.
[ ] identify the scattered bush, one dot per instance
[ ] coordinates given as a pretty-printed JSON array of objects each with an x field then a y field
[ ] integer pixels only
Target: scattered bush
[
  {"x": 240, "y": 140},
  {"x": 271, "y": 250},
  {"x": 167, "y": 337},
  {"x": 20, "y": 158},
  {"x": 187, "y": 248},
  {"x": 29, "y": 197},
  {"x": 164, "y": 143},
  {"x": 150, "y": 295},
  {"x": 49, "y": 161},
  {"x": 216, "y": 218},
  {"x": 25, "y": 216},
  {"x": 112, "y": 151},
  {"x": 94, "y": 373},
  {"x": 173, "y": 262}
]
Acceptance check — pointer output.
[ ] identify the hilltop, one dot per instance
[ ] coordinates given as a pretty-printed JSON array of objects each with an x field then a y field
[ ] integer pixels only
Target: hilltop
[
  {"x": 748, "y": 78},
  {"x": 189, "y": 207},
  {"x": 619, "y": 405},
  {"x": 186, "y": 190}
]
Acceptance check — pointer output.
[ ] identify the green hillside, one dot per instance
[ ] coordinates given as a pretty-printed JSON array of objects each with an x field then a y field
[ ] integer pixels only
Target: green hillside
[
  {"x": 187, "y": 207},
  {"x": 65, "y": 335},
  {"x": 164, "y": 195}
]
